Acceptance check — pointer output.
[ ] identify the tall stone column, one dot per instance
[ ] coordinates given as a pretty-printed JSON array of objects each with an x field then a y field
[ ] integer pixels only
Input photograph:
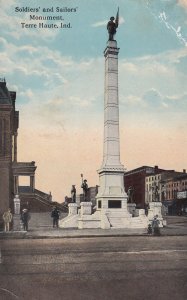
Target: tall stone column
[
  {"x": 32, "y": 183},
  {"x": 16, "y": 184},
  {"x": 111, "y": 155},
  {"x": 111, "y": 194}
]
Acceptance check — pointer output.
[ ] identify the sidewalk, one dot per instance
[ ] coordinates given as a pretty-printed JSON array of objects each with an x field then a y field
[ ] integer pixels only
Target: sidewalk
[{"x": 177, "y": 226}]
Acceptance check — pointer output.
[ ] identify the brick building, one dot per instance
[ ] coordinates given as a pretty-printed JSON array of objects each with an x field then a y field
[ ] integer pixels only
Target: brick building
[{"x": 136, "y": 180}]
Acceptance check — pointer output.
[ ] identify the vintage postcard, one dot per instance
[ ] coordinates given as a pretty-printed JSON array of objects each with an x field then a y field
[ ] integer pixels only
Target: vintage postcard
[{"x": 93, "y": 120}]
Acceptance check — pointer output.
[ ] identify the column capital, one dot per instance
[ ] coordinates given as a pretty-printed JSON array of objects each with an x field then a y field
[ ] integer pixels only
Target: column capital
[{"x": 111, "y": 48}]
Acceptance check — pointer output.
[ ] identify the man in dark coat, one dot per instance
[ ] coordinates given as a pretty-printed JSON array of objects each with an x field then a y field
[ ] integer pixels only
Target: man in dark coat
[
  {"x": 25, "y": 217},
  {"x": 55, "y": 214}
]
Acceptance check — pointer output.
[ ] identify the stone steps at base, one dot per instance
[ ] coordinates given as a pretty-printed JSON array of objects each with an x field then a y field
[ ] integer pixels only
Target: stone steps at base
[
  {"x": 130, "y": 222},
  {"x": 118, "y": 222}
]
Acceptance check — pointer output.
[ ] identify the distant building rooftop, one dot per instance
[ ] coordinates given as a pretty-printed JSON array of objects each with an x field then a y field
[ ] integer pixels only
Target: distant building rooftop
[
  {"x": 147, "y": 169},
  {"x": 5, "y": 97}
]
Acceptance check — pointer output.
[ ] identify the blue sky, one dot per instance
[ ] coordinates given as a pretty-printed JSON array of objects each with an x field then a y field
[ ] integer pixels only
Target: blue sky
[{"x": 59, "y": 78}]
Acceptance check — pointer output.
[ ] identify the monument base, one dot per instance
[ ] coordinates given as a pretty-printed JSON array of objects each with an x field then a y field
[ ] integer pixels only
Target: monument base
[
  {"x": 131, "y": 208},
  {"x": 155, "y": 210},
  {"x": 104, "y": 218},
  {"x": 17, "y": 224},
  {"x": 71, "y": 221}
]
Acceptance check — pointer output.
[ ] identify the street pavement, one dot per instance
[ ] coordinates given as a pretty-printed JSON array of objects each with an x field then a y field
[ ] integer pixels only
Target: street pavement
[
  {"x": 143, "y": 267},
  {"x": 101, "y": 267}
]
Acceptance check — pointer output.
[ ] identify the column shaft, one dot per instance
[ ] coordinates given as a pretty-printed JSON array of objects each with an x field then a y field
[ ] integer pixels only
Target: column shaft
[{"x": 111, "y": 149}]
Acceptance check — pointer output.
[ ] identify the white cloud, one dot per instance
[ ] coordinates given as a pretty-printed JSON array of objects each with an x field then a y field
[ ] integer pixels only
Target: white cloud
[
  {"x": 74, "y": 100},
  {"x": 28, "y": 94},
  {"x": 165, "y": 105},
  {"x": 100, "y": 23},
  {"x": 28, "y": 48},
  {"x": 177, "y": 98},
  {"x": 132, "y": 100},
  {"x": 129, "y": 66}
]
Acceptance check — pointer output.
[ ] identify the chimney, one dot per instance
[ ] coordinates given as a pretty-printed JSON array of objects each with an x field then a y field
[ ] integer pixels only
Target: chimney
[
  {"x": 184, "y": 170},
  {"x": 155, "y": 169}
]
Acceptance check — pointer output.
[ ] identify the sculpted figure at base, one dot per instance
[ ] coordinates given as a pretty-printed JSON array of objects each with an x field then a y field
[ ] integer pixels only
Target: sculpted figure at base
[
  {"x": 111, "y": 26},
  {"x": 155, "y": 189},
  {"x": 73, "y": 193},
  {"x": 130, "y": 193},
  {"x": 84, "y": 186}
]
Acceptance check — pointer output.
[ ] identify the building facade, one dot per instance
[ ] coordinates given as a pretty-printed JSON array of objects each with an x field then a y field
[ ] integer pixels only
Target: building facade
[
  {"x": 156, "y": 184},
  {"x": 9, "y": 120},
  {"x": 175, "y": 193},
  {"x": 153, "y": 188},
  {"x": 135, "y": 180}
]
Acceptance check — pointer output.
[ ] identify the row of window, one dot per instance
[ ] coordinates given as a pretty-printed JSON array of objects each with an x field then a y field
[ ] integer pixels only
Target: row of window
[
  {"x": 177, "y": 184},
  {"x": 153, "y": 178}
]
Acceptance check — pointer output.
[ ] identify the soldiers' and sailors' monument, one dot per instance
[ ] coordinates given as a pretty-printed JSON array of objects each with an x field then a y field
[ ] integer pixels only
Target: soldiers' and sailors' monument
[{"x": 112, "y": 210}]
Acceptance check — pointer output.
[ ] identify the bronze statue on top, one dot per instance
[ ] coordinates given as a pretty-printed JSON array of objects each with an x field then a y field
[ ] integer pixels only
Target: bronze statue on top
[{"x": 111, "y": 26}]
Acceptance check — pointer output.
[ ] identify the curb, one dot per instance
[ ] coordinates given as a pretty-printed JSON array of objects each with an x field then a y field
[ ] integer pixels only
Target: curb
[{"x": 33, "y": 236}]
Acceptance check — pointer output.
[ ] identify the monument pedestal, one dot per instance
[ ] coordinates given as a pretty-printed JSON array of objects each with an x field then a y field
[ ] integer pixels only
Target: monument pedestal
[
  {"x": 86, "y": 208},
  {"x": 71, "y": 221},
  {"x": 72, "y": 209},
  {"x": 113, "y": 211},
  {"x": 155, "y": 209},
  {"x": 17, "y": 223},
  {"x": 132, "y": 208},
  {"x": 86, "y": 219}
]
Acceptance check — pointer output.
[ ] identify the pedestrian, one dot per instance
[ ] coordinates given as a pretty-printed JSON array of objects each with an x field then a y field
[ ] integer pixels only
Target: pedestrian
[
  {"x": 149, "y": 229},
  {"x": 55, "y": 214},
  {"x": 25, "y": 217},
  {"x": 7, "y": 218},
  {"x": 155, "y": 226}
]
